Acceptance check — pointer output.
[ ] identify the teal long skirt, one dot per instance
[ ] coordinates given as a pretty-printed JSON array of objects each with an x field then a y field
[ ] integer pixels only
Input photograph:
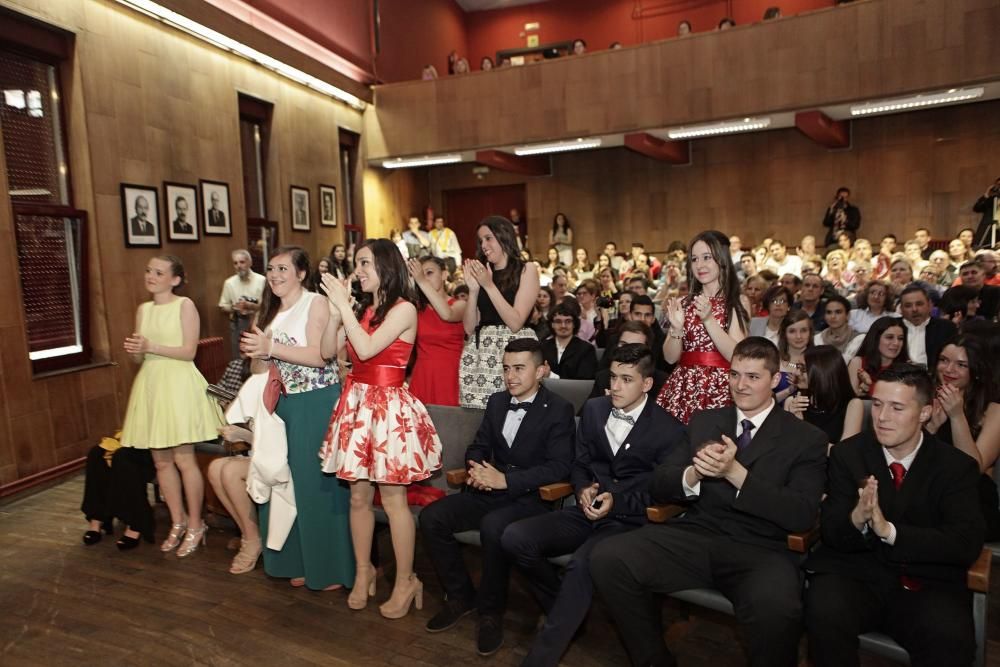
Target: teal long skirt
[{"x": 319, "y": 544}]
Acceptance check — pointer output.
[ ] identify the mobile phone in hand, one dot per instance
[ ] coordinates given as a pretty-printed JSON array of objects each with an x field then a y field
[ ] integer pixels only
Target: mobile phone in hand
[{"x": 596, "y": 504}]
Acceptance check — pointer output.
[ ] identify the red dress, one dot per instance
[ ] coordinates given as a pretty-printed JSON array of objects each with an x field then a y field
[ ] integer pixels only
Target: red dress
[
  {"x": 379, "y": 431},
  {"x": 439, "y": 349},
  {"x": 701, "y": 379}
]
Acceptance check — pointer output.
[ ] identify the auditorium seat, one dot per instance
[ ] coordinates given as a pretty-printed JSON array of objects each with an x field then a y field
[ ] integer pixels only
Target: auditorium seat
[{"x": 575, "y": 391}]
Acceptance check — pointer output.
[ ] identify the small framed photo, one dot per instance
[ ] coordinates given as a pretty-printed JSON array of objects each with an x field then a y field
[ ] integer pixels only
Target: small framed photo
[
  {"x": 327, "y": 205},
  {"x": 215, "y": 208},
  {"x": 300, "y": 208},
  {"x": 140, "y": 216},
  {"x": 182, "y": 211}
]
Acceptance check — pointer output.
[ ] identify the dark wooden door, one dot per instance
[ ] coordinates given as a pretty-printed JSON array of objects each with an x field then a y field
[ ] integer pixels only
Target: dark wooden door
[{"x": 465, "y": 208}]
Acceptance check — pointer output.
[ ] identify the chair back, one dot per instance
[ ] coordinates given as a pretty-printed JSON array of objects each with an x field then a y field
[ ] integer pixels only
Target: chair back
[
  {"x": 866, "y": 421},
  {"x": 457, "y": 428},
  {"x": 575, "y": 391}
]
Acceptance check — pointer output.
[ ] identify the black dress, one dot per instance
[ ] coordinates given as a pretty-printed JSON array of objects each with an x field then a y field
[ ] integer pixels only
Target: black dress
[
  {"x": 120, "y": 491},
  {"x": 830, "y": 422},
  {"x": 989, "y": 497}
]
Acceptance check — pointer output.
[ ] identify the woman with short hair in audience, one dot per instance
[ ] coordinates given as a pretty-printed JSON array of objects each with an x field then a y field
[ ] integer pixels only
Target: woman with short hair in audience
[
  {"x": 873, "y": 302},
  {"x": 590, "y": 318},
  {"x": 440, "y": 335},
  {"x": 582, "y": 269},
  {"x": 502, "y": 292},
  {"x": 839, "y": 332},
  {"x": 167, "y": 407},
  {"x": 966, "y": 413},
  {"x": 777, "y": 302},
  {"x": 826, "y": 399},
  {"x": 959, "y": 253},
  {"x": 837, "y": 274},
  {"x": 900, "y": 275},
  {"x": 795, "y": 337},
  {"x": 608, "y": 286},
  {"x": 294, "y": 338},
  {"x": 704, "y": 328},
  {"x": 883, "y": 346},
  {"x": 561, "y": 238},
  {"x": 754, "y": 288},
  {"x": 960, "y": 304}
]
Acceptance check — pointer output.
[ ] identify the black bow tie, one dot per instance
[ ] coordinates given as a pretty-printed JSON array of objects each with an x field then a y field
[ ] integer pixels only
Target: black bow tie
[
  {"x": 523, "y": 405},
  {"x": 620, "y": 414}
]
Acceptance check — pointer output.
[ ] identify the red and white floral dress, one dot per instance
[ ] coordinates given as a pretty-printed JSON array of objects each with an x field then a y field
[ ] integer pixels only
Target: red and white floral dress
[
  {"x": 379, "y": 431},
  {"x": 700, "y": 380}
]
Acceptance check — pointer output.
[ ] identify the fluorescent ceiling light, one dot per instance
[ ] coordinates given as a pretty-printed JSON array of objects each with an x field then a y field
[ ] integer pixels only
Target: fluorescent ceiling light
[
  {"x": 916, "y": 101},
  {"x": 226, "y": 43},
  {"x": 425, "y": 161},
  {"x": 558, "y": 146},
  {"x": 724, "y": 127}
]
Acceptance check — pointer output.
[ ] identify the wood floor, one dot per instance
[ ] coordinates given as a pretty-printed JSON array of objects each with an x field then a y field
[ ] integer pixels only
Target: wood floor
[{"x": 62, "y": 603}]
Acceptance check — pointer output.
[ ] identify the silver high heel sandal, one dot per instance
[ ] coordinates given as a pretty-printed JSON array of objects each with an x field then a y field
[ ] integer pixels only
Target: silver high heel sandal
[
  {"x": 174, "y": 537},
  {"x": 192, "y": 539}
]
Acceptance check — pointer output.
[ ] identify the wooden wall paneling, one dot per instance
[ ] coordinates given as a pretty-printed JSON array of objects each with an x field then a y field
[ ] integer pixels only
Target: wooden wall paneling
[{"x": 32, "y": 437}]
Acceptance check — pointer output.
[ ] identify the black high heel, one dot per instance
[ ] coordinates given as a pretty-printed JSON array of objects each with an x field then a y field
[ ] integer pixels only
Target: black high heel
[
  {"x": 92, "y": 537},
  {"x": 126, "y": 543}
]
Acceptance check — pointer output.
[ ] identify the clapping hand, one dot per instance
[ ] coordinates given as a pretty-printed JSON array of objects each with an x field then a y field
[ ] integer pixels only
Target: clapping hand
[
  {"x": 476, "y": 271},
  {"x": 136, "y": 344},
  {"x": 413, "y": 265},
  {"x": 951, "y": 399},
  {"x": 485, "y": 477},
  {"x": 703, "y": 307},
  {"x": 337, "y": 291},
  {"x": 256, "y": 344},
  {"x": 797, "y": 405},
  {"x": 675, "y": 313},
  {"x": 715, "y": 459}
]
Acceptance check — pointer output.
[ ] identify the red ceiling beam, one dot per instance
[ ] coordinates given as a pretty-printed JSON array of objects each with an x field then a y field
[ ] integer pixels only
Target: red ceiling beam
[
  {"x": 674, "y": 152},
  {"x": 528, "y": 165},
  {"x": 824, "y": 130}
]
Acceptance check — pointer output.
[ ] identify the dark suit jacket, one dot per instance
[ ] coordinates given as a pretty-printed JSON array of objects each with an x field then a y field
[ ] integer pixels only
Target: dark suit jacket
[
  {"x": 939, "y": 331},
  {"x": 602, "y": 382},
  {"x": 137, "y": 227},
  {"x": 579, "y": 361},
  {"x": 851, "y": 224},
  {"x": 786, "y": 462},
  {"x": 625, "y": 474},
  {"x": 989, "y": 297},
  {"x": 939, "y": 526},
  {"x": 982, "y": 236},
  {"x": 659, "y": 335},
  {"x": 216, "y": 218},
  {"x": 543, "y": 448},
  {"x": 182, "y": 227}
]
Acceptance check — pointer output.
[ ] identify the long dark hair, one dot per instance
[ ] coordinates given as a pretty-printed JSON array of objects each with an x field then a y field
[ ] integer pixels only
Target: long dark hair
[
  {"x": 270, "y": 303},
  {"x": 871, "y": 360},
  {"x": 503, "y": 231},
  {"x": 829, "y": 382},
  {"x": 393, "y": 280},
  {"x": 422, "y": 301},
  {"x": 793, "y": 317},
  {"x": 981, "y": 390},
  {"x": 344, "y": 265},
  {"x": 555, "y": 224},
  {"x": 729, "y": 284}
]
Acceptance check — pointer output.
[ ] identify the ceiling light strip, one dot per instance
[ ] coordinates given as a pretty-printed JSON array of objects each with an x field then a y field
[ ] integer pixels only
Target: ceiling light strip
[
  {"x": 425, "y": 161},
  {"x": 558, "y": 147},
  {"x": 917, "y": 101},
  {"x": 219, "y": 40},
  {"x": 724, "y": 127}
]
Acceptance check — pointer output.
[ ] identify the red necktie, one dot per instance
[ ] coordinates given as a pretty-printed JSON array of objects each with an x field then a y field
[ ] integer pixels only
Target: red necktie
[{"x": 898, "y": 473}]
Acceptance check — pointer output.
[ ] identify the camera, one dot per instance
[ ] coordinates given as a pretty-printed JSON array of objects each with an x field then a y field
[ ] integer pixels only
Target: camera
[{"x": 605, "y": 302}]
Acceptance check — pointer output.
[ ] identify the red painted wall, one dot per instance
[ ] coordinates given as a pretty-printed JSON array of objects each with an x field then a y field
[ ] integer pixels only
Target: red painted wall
[
  {"x": 343, "y": 26},
  {"x": 415, "y": 34},
  {"x": 601, "y": 22}
]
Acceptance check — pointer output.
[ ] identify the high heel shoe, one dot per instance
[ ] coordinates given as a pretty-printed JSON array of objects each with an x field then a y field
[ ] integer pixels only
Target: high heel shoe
[
  {"x": 126, "y": 543},
  {"x": 246, "y": 560},
  {"x": 92, "y": 537},
  {"x": 414, "y": 595},
  {"x": 174, "y": 537},
  {"x": 192, "y": 539},
  {"x": 362, "y": 588}
]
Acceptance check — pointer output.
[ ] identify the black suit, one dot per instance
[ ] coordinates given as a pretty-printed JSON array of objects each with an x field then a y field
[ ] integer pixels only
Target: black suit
[
  {"x": 731, "y": 542},
  {"x": 626, "y": 476},
  {"x": 983, "y": 234},
  {"x": 602, "y": 382},
  {"x": 854, "y": 583},
  {"x": 182, "y": 226},
  {"x": 216, "y": 218},
  {"x": 138, "y": 229},
  {"x": 989, "y": 297},
  {"x": 938, "y": 332},
  {"x": 579, "y": 359},
  {"x": 852, "y": 220},
  {"x": 541, "y": 454}
]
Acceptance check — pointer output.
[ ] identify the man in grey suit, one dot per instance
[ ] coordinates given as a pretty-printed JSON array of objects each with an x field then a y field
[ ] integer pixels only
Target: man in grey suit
[
  {"x": 753, "y": 473},
  {"x": 216, "y": 217}
]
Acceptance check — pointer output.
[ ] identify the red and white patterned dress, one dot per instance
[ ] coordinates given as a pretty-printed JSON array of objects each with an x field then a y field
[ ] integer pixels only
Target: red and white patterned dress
[
  {"x": 701, "y": 379},
  {"x": 379, "y": 431}
]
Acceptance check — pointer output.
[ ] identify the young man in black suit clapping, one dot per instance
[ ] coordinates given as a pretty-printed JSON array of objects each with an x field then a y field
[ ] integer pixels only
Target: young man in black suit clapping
[
  {"x": 525, "y": 441},
  {"x": 622, "y": 437}
]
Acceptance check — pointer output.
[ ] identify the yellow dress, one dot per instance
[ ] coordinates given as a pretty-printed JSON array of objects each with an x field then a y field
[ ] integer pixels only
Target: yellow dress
[{"x": 168, "y": 405}]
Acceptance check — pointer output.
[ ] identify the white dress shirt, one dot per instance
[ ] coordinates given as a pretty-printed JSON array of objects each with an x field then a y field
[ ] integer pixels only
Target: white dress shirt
[
  {"x": 512, "y": 422},
  {"x": 916, "y": 341},
  {"x": 757, "y": 420},
  {"x": 617, "y": 429}
]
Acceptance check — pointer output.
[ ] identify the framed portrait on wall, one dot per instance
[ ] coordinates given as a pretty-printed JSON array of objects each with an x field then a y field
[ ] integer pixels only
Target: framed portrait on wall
[
  {"x": 140, "y": 216},
  {"x": 300, "y": 208},
  {"x": 215, "y": 208},
  {"x": 181, "y": 201},
  {"x": 328, "y": 205}
]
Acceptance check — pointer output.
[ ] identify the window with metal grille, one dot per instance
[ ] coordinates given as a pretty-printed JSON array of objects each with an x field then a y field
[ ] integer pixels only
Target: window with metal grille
[{"x": 50, "y": 234}]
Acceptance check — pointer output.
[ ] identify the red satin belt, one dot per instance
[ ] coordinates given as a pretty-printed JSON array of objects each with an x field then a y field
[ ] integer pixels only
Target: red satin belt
[
  {"x": 704, "y": 359},
  {"x": 383, "y": 376}
]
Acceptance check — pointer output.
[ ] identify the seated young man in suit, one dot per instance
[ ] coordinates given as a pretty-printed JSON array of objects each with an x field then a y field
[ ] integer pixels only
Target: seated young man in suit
[
  {"x": 895, "y": 553},
  {"x": 525, "y": 441},
  {"x": 630, "y": 332},
  {"x": 568, "y": 357},
  {"x": 620, "y": 440},
  {"x": 746, "y": 493}
]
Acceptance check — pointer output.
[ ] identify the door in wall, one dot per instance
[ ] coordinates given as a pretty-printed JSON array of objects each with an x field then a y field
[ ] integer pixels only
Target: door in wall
[{"x": 465, "y": 208}]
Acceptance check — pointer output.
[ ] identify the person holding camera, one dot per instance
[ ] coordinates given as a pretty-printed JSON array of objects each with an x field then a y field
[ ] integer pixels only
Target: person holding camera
[
  {"x": 240, "y": 299},
  {"x": 841, "y": 216},
  {"x": 989, "y": 206}
]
